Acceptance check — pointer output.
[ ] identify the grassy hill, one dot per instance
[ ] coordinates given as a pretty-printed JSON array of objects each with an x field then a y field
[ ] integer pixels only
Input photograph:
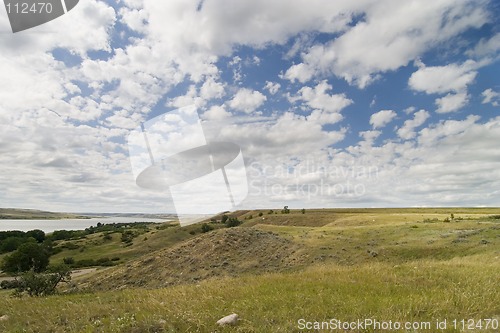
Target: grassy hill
[
  {"x": 274, "y": 269},
  {"x": 32, "y": 214}
]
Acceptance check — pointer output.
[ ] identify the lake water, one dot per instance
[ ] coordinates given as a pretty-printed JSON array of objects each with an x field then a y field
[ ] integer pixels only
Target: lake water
[{"x": 68, "y": 224}]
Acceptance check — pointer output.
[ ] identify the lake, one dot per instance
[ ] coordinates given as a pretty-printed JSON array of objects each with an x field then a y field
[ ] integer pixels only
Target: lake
[{"x": 69, "y": 224}]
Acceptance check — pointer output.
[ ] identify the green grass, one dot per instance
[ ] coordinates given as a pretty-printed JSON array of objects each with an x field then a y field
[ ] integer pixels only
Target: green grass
[
  {"x": 423, "y": 270},
  {"x": 418, "y": 291},
  {"x": 95, "y": 246}
]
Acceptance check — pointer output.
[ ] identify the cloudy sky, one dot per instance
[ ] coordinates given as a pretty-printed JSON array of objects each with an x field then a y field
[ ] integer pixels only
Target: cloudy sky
[{"x": 368, "y": 103}]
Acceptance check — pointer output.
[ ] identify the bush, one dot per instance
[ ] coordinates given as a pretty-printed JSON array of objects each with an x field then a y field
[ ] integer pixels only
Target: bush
[
  {"x": 68, "y": 261},
  {"x": 206, "y": 228},
  {"x": 260, "y": 214},
  {"x": 41, "y": 284},
  {"x": 233, "y": 222},
  {"x": 224, "y": 218},
  {"x": 12, "y": 243},
  {"x": 37, "y": 234},
  {"x": 70, "y": 246},
  {"x": 9, "y": 284},
  {"x": 128, "y": 236},
  {"x": 29, "y": 256}
]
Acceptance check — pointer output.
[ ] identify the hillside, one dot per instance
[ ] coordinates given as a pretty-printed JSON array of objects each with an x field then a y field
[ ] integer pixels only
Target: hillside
[
  {"x": 33, "y": 214},
  {"x": 223, "y": 252},
  {"x": 288, "y": 242},
  {"x": 413, "y": 265}
]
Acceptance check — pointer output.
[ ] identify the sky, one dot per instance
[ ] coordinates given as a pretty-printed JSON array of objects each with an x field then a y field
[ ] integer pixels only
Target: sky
[{"x": 368, "y": 103}]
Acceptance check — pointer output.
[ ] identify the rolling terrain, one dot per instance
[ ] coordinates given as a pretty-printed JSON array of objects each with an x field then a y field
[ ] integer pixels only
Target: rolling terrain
[{"x": 274, "y": 269}]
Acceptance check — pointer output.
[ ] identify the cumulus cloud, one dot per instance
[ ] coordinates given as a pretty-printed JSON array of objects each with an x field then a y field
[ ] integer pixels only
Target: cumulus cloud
[
  {"x": 64, "y": 122},
  {"x": 443, "y": 79},
  {"x": 452, "y": 79},
  {"x": 407, "y": 131},
  {"x": 486, "y": 47},
  {"x": 391, "y": 35},
  {"x": 272, "y": 87},
  {"x": 300, "y": 72},
  {"x": 451, "y": 102},
  {"x": 319, "y": 98},
  {"x": 217, "y": 113},
  {"x": 491, "y": 96},
  {"x": 247, "y": 100},
  {"x": 382, "y": 118}
]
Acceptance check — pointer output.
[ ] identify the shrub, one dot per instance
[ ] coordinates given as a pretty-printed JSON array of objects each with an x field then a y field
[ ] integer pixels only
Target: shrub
[
  {"x": 233, "y": 222},
  {"x": 128, "y": 236},
  {"x": 37, "y": 234},
  {"x": 260, "y": 214},
  {"x": 9, "y": 284},
  {"x": 41, "y": 284},
  {"x": 68, "y": 261},
  {"x": 29, "y": 256},
  {"x": 206, "y": 228}
]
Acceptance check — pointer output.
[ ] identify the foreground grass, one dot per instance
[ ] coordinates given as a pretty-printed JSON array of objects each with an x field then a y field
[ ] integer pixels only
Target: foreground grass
[{"x": 422, "y": 290}]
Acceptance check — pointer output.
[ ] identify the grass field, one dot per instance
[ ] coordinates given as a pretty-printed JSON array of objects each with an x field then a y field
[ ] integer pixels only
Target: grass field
[{"x": 388, "y": 265}]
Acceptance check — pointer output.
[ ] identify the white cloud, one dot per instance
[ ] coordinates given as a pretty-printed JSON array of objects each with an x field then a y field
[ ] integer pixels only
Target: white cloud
[
  {"x": 408, "y": 130},
  {"x": 451, "y": 102},
  {"x": 300, "y": 72},
  {"x": 247, "y": 100},
  {"x": 486, "y": 47},
  {"x": 410, "y": 110},
  {"x": 392, "y": 34},
  {"x": 432, "y": 135},
  {"x": 44, "y": 102},
  {"x": 217, "y": 113},
  {"x": 212, "y": 89},
  {"x": 272, "y": 87},
  {"x": 443, "y": 79},
  {"x": 382, "y": 118},
  {"x": 490, "y": 96},
  {"x": 318, "y": 98},
  {"x": 369, "y": 137}
]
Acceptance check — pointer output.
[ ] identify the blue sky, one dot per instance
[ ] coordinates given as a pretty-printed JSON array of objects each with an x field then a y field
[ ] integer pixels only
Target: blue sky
[{"x": 344, "y": 104}]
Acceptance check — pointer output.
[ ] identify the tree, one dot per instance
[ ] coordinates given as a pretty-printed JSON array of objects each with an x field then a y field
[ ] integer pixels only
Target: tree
[
  {"x": 285, "y": 210},
  {"x": 40, "y": 284},
  {"x": 303, "y": 210},
  {"x": 37, "y": 234},
  {"x": 28, "y": 256},
  {"x": 12, "y": 243}
]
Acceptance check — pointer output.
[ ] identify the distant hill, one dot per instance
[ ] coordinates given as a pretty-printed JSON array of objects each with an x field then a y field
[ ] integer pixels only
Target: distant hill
[{"x": 33, "y": 214}]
